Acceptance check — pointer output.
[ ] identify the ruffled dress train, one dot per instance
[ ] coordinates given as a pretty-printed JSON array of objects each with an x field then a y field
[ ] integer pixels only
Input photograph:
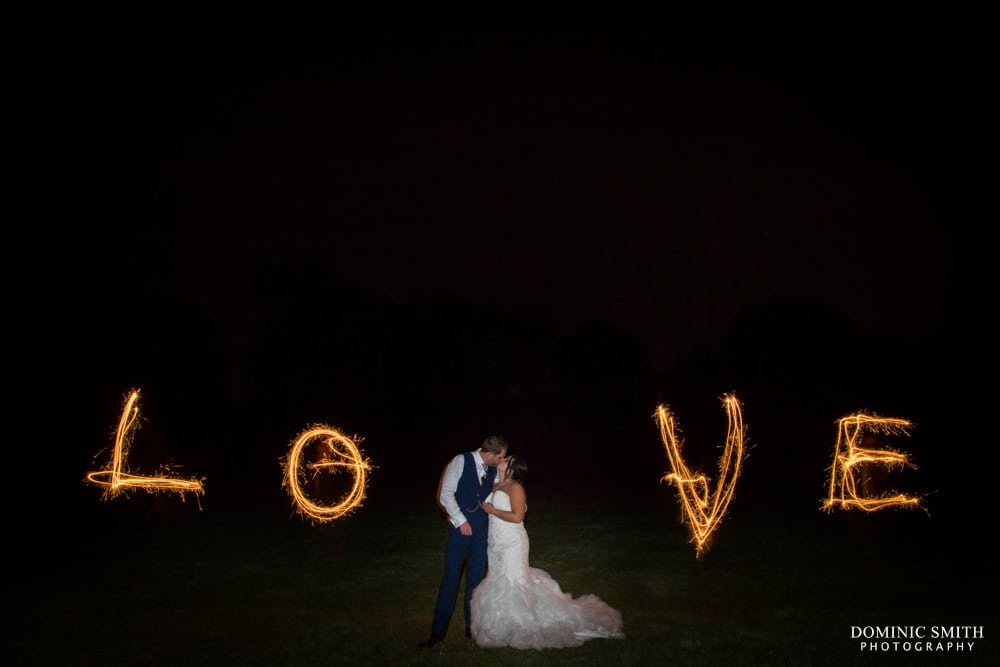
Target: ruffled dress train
[{"x": 523, "y": 607}]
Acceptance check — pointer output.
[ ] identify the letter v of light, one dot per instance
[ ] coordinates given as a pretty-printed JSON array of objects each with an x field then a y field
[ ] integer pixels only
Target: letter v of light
[{"x": 704, "y": 508}]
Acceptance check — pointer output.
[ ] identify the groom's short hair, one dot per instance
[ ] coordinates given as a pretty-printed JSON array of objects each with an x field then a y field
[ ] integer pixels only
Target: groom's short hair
[{"x": 495, "y": 444}]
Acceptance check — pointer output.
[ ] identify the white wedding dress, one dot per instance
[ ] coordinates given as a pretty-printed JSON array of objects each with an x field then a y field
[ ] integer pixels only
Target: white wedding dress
[{"x": 523, "y": 607}]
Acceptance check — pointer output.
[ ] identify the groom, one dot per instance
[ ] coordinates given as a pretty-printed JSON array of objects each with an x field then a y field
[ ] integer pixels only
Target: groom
[{"x": 467, "y": 481}]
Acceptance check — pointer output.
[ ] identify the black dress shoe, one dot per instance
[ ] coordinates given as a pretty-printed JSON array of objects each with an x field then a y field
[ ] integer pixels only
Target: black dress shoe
[
  {"x": 468, "y": 633},
  {"x": 431, "y": 641}
]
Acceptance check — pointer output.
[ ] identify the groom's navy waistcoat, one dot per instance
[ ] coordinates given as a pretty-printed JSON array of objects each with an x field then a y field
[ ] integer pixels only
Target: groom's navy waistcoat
[{"x": 470, "y": 493}]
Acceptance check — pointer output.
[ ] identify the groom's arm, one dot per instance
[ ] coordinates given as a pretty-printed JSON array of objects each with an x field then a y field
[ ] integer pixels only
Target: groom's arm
[{"x": 448, "y": 487}]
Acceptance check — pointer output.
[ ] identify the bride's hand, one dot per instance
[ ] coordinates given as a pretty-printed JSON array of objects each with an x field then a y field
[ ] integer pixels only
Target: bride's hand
[{"x": 488, "y": 508}]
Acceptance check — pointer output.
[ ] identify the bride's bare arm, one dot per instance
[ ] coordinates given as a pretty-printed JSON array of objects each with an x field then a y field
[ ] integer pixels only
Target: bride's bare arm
[{"x": 518, "y": 505}]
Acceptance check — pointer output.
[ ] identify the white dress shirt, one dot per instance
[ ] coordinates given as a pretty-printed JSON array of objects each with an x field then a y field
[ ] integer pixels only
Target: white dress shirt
[{"x": 449, "y": 484}]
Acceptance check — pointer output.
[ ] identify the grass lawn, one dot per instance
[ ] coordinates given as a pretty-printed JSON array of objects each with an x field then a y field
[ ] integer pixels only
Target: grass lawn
[{"x": 181, "y": 586}]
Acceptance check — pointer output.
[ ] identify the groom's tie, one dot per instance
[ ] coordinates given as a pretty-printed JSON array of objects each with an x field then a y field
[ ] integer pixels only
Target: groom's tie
[{"x": 482, "y": 477}]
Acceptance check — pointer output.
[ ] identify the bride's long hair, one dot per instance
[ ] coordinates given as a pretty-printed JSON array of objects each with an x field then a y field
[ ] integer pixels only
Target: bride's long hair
[{"x": 517, "y": 469}]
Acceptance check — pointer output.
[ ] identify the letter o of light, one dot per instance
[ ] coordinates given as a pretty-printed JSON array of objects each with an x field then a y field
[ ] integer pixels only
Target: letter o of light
[{"x": 343, "y": 452}]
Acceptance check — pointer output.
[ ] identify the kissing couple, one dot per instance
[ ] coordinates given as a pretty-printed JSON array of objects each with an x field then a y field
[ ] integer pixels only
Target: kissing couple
[{"x": 507, "y": 602}]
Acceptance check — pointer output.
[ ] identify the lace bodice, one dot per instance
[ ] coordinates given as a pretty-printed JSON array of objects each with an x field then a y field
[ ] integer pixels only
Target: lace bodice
[{"x": 508, "y": 542}]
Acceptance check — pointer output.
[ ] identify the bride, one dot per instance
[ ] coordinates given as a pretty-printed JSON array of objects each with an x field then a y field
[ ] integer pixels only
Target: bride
[{"x": 521, "y": 606}]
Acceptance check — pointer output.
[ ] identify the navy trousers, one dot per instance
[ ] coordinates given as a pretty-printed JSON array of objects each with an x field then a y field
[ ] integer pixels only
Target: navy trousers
[{"x": 460, "y": 552}]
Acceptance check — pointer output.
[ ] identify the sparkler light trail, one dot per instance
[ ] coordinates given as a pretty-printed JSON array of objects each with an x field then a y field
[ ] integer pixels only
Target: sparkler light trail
[
  {"x": 116, "y": 480},
  {"x": 336, "y": 452},
  {"x": 847, "y": 456},
  {"x": 702, "y": 509}
]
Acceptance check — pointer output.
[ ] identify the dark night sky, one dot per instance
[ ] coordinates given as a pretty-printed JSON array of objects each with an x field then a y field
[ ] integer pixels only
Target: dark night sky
[
  {"x": 673, "y": 182},
  {"x": 664, "y": 178}
]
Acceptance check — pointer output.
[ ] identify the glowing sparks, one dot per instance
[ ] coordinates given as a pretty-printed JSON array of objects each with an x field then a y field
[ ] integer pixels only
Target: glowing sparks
[
  {"x": 848, "y": 457},
  {"x": 116, "y": 480},
  {"x": 335, "y": 452},
  {"x": 703, "y": 508}
]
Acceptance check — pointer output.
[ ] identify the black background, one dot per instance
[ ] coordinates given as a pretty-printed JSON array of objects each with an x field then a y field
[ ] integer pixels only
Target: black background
[{"x": 425, "y": 227}]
